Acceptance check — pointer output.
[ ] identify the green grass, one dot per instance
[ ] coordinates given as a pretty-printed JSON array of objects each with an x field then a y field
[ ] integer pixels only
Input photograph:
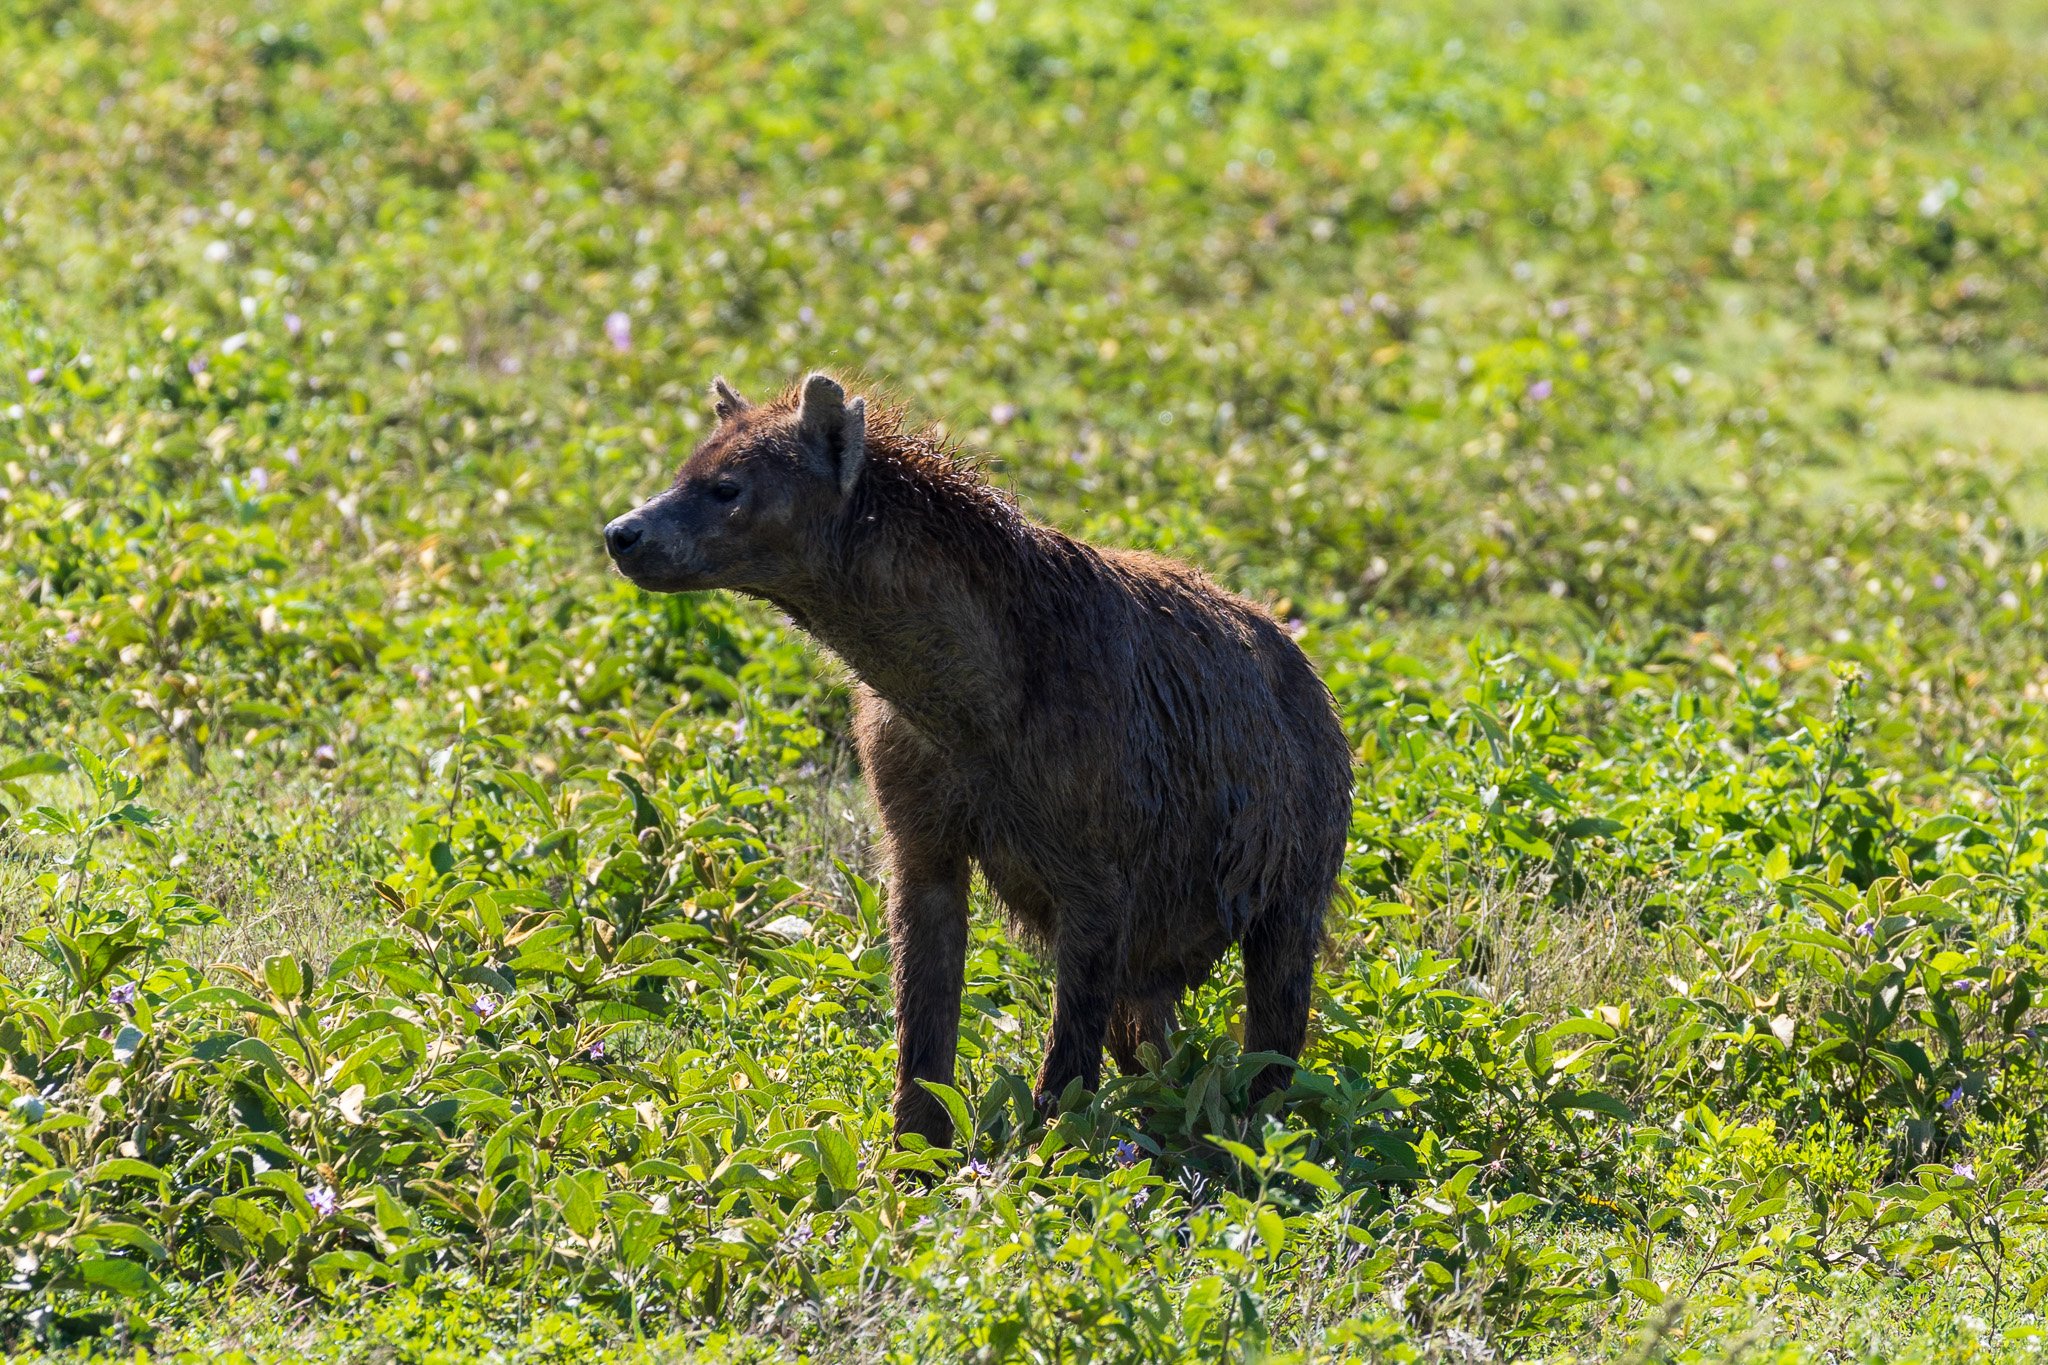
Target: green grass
[{"x": 414, "y": 942}]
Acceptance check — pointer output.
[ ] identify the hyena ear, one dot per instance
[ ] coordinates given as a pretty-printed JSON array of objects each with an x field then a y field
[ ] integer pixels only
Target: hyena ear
[
  {"x": 833, "y": 431},
  {"x": 724, "y": 402}
]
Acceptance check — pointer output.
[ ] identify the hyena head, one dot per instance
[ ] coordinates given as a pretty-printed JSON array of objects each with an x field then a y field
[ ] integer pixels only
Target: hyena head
[{"x": 752, "y": 507}]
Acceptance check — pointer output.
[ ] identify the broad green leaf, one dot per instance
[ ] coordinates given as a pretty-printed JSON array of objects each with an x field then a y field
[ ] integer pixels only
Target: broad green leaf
[
  {"x": 838, "y": 1159},
  {"x": 128, "y": 1278},
  {"x": 956, "y": 1108}
]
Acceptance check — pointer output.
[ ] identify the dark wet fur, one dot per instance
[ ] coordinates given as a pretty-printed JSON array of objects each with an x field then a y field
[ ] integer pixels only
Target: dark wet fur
[{"x": 1144, "y": 767}]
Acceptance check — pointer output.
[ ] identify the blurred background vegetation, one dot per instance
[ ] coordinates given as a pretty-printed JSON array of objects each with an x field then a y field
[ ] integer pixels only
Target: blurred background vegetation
[{"x": 413, "y": 937}]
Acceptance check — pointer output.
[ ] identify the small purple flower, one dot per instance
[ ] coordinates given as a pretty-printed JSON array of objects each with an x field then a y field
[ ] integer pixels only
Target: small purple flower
[
  {"x": 1865, "y": 929},
  {"x": 293, "y": 325},
  {"x": 37, "y": 375},
  {"x": 1126, "y": 1154},
  {"x": 1940, "y": 580},
  {"x": 1955, "y": 1097},
  {"x": 73, "y": 636},
  {"x": 196, "y": 365},
  {"x": 484, "y": 1005},
  {"x": 618, "y": 329},
  {"x": 596, "y": 1051},
  {"x": 806, "y": 315},
  {"x": 977, "y": 1169},
  {"x": 1141, "y": 1198},
  {"x": 1779, "y": 563},
  {"x": 1002, "y": 414},
  {"x": 123, "y": 994},
  {"x": 323, "y": 756},
  {"x": 323, "y": 1201},
  {"x": 1964, "y": 1171},
  {"x": 1539, "y": 391}
]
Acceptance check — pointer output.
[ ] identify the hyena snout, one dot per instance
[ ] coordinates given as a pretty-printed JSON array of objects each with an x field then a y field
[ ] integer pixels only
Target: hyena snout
[{"x": 622, "y": 535}]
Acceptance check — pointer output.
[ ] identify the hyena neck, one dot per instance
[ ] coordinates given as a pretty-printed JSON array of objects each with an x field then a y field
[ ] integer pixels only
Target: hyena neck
[{"x": 924, "y": 595}]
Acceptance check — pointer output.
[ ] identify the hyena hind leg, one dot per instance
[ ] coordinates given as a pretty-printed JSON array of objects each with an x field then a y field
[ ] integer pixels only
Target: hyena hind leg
[
  {"x": 1137, "y": 1020},
  {"x": 1279, "y": 981}
]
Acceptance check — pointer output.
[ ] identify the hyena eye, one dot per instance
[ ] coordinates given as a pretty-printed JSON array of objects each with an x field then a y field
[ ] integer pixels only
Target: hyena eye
[{"x": 725, "y": 490}]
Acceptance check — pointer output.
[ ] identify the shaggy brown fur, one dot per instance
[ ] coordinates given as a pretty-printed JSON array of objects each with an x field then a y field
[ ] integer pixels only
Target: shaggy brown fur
[{"x": 1145, "y": 768}]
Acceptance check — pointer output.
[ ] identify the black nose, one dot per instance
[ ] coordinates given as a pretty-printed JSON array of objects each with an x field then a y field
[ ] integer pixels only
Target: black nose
[{"x": 621, "y": 536}]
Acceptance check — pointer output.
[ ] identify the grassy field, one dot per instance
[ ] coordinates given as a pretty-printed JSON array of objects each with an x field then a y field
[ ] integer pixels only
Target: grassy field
[{"x": 417, "y": 944}]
